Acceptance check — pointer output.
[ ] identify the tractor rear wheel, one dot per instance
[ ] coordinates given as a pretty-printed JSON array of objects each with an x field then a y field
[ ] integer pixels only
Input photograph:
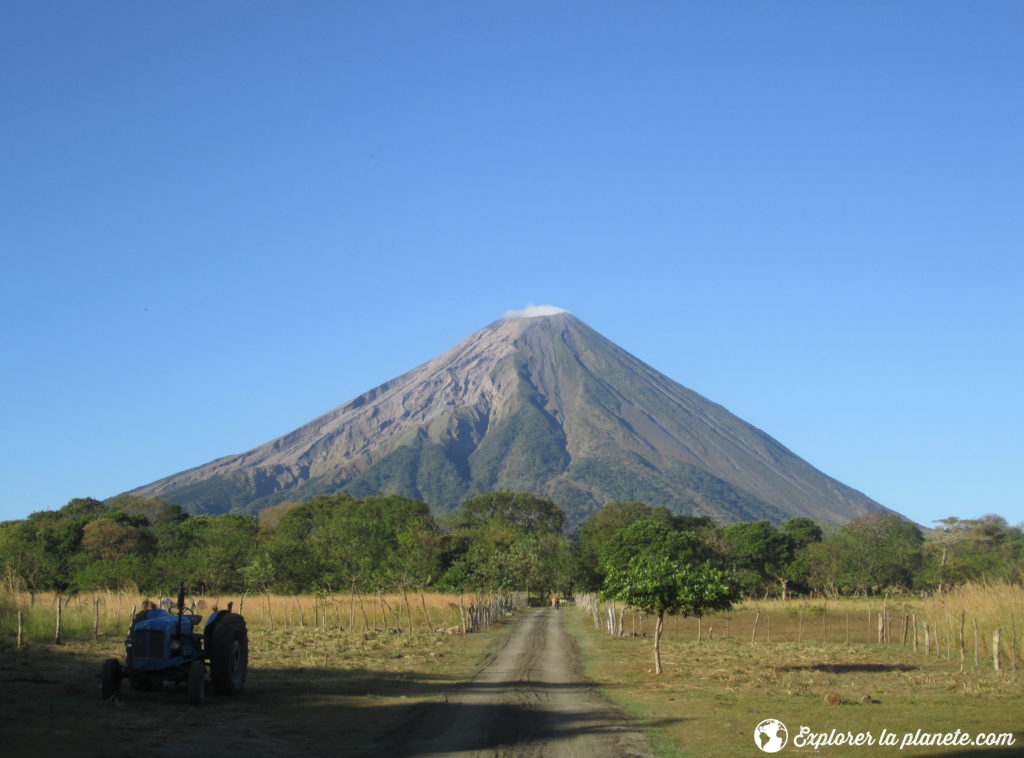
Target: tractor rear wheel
[
  {"x": 196, "y": 682},
  {"x": 110, "y": 678},
  {"x": 229, "y": 655}
]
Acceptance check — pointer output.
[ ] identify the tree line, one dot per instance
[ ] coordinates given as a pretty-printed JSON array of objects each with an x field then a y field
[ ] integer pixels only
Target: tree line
[{"x": 496, "y": 541}]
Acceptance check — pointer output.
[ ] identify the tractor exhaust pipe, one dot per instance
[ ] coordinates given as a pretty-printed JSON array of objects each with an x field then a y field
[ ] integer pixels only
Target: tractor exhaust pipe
[{"x": 181, "y": 606}]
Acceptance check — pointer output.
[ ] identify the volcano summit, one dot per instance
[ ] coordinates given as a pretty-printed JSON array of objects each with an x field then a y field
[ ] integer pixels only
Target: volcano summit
[{"x": 537, "y": 401}]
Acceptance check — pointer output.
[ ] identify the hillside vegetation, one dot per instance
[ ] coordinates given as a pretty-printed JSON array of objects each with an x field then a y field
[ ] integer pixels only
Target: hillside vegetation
[{"x": 502, "y": 541}]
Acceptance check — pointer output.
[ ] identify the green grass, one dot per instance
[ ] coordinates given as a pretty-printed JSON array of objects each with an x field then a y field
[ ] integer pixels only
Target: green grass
[{"x": 713, "y": 693}]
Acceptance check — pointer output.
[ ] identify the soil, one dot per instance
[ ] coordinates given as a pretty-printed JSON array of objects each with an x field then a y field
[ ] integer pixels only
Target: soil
[{"x": 532, "y": 699}]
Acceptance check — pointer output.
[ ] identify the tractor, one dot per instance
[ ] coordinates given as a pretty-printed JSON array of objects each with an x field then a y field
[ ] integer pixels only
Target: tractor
[{"x": 164, "y": 644}]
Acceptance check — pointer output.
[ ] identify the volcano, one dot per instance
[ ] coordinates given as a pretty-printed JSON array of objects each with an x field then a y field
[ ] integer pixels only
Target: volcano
[{"x": 539, "y": 402}]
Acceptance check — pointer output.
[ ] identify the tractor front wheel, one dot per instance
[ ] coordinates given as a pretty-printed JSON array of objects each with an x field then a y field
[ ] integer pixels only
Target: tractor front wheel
[
  {"x": 110, "y": 678},
  {"x": 229, "y": 655},
  {"x": 196, "y": 682}
]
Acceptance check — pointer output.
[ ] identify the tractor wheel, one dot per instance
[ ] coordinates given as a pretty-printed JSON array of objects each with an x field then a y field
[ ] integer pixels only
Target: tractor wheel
[
  {"x": 110, "y": 678},
  {"x": 229, "y": 655},
  {"x": 196, "y": 682}
]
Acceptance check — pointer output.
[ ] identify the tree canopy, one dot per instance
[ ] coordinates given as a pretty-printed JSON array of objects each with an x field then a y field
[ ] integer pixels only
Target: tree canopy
[
  {"x": 494, "y": 541},
  {"x": 660, "y": 571}
]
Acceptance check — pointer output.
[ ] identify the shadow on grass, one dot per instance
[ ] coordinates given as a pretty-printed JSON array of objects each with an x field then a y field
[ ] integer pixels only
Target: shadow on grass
[
  {"x": 50, "y": 705},
  {"x": 852, "y": 668},
  {"x": 498, "y": 728}
]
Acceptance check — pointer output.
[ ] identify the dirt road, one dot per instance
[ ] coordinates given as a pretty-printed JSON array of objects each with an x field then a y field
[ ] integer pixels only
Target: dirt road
[{"x": 531, "y": 700}]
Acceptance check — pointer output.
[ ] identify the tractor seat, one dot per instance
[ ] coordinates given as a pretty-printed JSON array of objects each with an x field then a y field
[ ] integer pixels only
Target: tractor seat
[{"x": 196, "y": 620}]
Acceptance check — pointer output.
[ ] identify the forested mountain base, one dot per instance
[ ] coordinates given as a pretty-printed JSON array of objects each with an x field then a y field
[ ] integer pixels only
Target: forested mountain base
[{"x": 496, "y": 542}]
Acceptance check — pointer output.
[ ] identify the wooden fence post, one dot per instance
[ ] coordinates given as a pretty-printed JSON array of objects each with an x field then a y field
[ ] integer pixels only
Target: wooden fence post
[
  {"x": 20, "y": 630},
  {"x": 996, "y": 651},
  {"x": 56, "y": 632},
  {"x": 1013, "y": 642},
  {"x": 883, "y": 624},
  {"x": 960, "y": 637},
  {"x": 977, "y": 640},
  {"x": 914, "y": 617},
  {"x": 927, "y": 639}
]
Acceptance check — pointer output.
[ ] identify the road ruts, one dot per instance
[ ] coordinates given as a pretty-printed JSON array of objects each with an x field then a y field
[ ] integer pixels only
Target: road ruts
[{"x": 531, "y": 701}]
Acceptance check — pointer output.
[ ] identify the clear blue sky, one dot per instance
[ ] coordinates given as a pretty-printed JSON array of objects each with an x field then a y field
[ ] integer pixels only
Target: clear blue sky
[{"x": 220, "y": 220}]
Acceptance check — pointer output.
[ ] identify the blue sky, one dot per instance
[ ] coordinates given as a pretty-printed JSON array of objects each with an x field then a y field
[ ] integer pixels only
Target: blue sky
[{"x": 222, "y": 220}]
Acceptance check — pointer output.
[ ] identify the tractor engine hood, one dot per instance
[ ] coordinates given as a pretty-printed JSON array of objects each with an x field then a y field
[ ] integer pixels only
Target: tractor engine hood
[{"x": 154, "y": 643}]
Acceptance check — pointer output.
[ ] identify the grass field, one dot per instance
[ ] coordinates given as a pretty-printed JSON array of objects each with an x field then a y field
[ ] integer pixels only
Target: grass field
[
  {"x": 716, "y": 690},
  {"x": 985, "y": 607},
  {"x": 93, "y": 615},
  {"x": 331, "y": 676},
  {"x": 311, "y": 690}
]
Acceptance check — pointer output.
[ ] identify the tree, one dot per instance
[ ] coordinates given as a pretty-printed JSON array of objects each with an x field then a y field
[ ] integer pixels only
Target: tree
[
  {"x": 107, "y": 540},
  {"x": 368, "y": 544},
  {"x": 216, "y": 549},
  {"x": 521, "y": 509},
  {"x": 301, "y": 547},
  {"x": 760, "y": 552},
  {"x": 647, "y": 567},
  {"x": 24, "y": 555},
  {"x": 656, "y": 536},
  {"x": 506, "y": 541},
  {"x": 802, "y": 531},
  {"x": 601, "y": 526},
  {"x": 970, "y": 550},
  {"x": 817, "y": 566},
  {"x": 876, "y": 551},
  {"x": 155, "y": 511}
]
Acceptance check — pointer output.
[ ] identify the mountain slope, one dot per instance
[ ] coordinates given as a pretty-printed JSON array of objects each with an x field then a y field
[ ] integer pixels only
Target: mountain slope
[{"x": 543, "y": 404}]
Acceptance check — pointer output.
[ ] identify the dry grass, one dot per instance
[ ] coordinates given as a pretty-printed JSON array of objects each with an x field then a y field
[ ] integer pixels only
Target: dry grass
[
  {"x": 95, "y": 615},
  {"x": 856, "y": 620},
  {"x": 311, "y": 690},
  {"x": 718, "y": 689}
]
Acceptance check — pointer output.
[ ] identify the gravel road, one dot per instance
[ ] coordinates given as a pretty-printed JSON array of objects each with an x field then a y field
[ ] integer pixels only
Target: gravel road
[{"x": 530, "y": 700}]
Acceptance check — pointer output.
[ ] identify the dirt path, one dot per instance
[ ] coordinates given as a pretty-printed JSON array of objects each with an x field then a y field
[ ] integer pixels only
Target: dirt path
[{"x": 531, "y": 700}]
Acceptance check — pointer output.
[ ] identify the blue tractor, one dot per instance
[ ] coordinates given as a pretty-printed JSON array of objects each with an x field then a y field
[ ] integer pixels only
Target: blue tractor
[{"x": 166, "y": 645}]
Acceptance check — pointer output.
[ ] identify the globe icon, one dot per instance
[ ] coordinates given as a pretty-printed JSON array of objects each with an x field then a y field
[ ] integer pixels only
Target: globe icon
[{"x": 771, "y": 735}]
